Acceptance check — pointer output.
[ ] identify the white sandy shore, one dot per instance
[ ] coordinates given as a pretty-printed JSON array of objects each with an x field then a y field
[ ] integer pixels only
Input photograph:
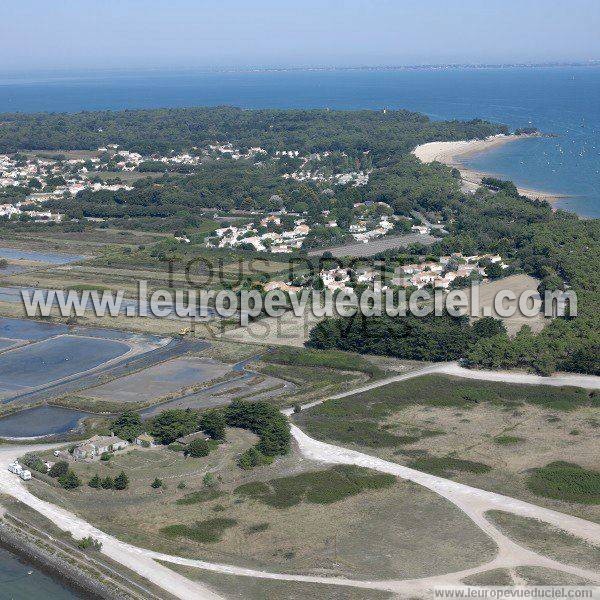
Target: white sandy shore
[{"x": 450, "y": 153}]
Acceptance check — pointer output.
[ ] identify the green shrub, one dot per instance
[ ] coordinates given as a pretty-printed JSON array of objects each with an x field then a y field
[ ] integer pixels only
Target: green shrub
[
  {"x": 317, "y": 487},
  {"x": 157, "y": 483},
  {"x": 107, "y": 483},
  {"x": 264, "y": 420},
  {"x": 213, "y": 422},
  {"x": 566, "y": 481},
  {"x": 121, "y": 481},
  {"x": 328, "y": 359},
  {"x": 95, "y": 482},
  {"x": 128, "y": 425},
  {"x": 89, "y": 543},
  {"x": 508, "y": 439},
  {"x": 197, "y": 448},
  {"x": 207, "y": 532},
  {"x": 59, "y": 468},
  {"x": 69, "y": 481},
  {"x": 172, "y": 424},
  {"x": 209, "y": 480},
  {"x": 35, "y": 463},
  {"x": 176, "y": 447},
  {"x": 446, "y": 466},
  {"x": 253, "y": 457}
]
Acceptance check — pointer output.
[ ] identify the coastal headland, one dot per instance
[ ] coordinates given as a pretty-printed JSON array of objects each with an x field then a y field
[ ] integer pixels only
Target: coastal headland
[{"x": 452, "y": 153}]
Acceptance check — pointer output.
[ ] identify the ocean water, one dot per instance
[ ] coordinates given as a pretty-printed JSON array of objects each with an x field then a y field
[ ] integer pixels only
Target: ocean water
[
  {"x": 21, "y": 581},
  {"x": 561, "y": 100}
]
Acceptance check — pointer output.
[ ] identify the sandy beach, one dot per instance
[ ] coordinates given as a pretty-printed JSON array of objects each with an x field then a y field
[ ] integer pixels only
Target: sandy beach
[{"x": 451, "y": 153}]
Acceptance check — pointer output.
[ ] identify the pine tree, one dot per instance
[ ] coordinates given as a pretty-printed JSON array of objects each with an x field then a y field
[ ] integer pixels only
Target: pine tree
[
  {"x": 108, "y": 483},
  {"x": 69, "y": 480},
  {"x": 95, "y": 482},
  {"x": 121, "y": 481}
]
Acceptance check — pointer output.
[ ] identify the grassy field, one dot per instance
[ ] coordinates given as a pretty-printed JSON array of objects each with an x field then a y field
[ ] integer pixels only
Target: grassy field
[
  {"x": 316, "y": 487},
  {"x": 250, "y": 588},
  {"x": 542, "y": 576},
  {"x": 324, "y": 359},
  {"x": 361, "y": 419},
  {"x": 311, "y": 382},
  {"x": 318, "y": 373},
  {"x": 496, "y": 436},
  {"x": 87, "y": 242},
  {"x": 525, "y": 576},
  {"x": 293, "y": 516},
  {"x": 547, "y": 540},
  {"x": 231, "y": 352},
  {"x": 518, "y": 284},
  {"x": 492, "y": 577}
]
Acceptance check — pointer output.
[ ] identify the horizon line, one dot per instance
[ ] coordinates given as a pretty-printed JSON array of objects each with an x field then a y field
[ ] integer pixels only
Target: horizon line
[{"x": 250, "y": 69}]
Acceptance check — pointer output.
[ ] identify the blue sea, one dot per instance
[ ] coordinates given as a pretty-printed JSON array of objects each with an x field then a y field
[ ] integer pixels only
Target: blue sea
[
  {"x": 20, "y": 581},
  {"x": 561, "y": 100}
]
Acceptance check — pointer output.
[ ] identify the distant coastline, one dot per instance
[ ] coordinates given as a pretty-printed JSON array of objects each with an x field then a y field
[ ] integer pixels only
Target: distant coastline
[
  {"x": 451, "y": 153},
  {"x": 114, "y": 70}
]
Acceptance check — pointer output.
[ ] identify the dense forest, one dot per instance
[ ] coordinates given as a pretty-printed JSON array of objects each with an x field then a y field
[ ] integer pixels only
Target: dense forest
[{"x": 382, "y": 133}]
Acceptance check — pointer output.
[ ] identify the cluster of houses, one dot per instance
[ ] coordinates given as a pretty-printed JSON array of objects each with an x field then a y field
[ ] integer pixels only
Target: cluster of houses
[
  {"x": 361, "y": 232},
  {"x": 98, "y": 445},
  {"x": 234, "y": 153},
  {"x": 56, "y": 177},
  {"x": 311, "y": 170},
  {"x": 19, "y": 208},
  {"x": 282, "y": 241},
  {"x": 269, "y": 235},
  {"x": 52, "y": 178},
  {"x": 443, "y": 273},
  {"x": 355, "y": 178},
  {"x": 437, "y": 274}
]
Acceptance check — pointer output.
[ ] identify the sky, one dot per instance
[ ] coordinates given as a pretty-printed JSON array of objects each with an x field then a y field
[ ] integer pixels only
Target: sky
[{"x": 81, "y": 34}]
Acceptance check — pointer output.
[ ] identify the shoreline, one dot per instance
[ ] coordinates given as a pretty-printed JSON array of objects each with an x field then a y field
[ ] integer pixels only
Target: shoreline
[
  {"x": 451, "y": 153},
  {"x": 53, "y": 566}
]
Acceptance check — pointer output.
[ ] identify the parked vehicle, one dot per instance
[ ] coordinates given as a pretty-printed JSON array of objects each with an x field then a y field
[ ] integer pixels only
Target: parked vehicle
[{"x": 15, "y": 468}]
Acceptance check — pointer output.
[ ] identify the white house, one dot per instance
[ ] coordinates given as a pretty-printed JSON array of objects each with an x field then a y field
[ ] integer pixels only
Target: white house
[
  {"x": 145, "y": 440},
  {"x": 98, "y": 445}
]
